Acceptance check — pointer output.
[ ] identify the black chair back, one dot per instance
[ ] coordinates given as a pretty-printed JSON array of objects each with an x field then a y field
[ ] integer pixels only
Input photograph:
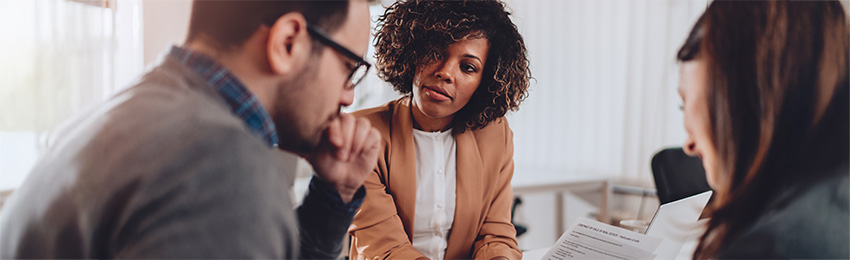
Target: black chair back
[{"x": 677, "y": 175}]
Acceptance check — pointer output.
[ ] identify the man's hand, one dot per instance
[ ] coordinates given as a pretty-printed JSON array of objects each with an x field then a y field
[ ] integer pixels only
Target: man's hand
[{"x": 347, "y": 154}]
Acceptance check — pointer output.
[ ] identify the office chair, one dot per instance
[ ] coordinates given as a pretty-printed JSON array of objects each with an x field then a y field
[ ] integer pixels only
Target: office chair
[
  {"x": 520, "y": 229},
  {"x": 677, "y": 175}
]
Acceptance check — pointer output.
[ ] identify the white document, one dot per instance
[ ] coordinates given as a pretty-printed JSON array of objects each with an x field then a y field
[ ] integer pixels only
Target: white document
[
  {"x": 590, "y": 239},
  {"x": 675, "y": 222}
]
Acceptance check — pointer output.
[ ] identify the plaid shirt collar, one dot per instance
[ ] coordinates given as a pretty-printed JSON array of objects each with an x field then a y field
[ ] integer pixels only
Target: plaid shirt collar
[{"x": 242, "y": 103}]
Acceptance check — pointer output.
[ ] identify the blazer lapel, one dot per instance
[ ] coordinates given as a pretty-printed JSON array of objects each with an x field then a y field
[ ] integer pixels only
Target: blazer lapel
[
  {"x": 402, "y": 168},
  {"x": 470, "y": 189}
]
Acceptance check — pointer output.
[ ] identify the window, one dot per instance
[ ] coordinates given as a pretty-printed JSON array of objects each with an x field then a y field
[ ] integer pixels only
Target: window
[{"x": 60, "y": 57}]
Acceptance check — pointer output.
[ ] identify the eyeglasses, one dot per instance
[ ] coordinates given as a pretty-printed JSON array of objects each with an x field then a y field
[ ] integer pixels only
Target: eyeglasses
[{"x": 360, "y": 67}]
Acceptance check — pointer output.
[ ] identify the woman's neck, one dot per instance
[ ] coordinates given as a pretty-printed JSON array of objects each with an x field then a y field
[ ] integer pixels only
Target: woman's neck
[{"x": 429, "y": 124}]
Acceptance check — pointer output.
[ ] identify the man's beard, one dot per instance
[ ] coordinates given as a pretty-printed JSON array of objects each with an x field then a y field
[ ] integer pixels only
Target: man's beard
[
  {"x": 300, "y": 142},
  {"x": 294, "y": 132}
]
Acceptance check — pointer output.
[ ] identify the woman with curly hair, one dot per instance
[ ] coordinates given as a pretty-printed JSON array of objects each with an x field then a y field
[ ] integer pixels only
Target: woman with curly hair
[
  {"x": 442, "y": 188},
  {"x": 764, "y": 86}
]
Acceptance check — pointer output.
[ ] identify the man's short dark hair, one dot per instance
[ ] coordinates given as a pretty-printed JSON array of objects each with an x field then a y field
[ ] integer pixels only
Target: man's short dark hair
[{"x": 229, "y": 23}]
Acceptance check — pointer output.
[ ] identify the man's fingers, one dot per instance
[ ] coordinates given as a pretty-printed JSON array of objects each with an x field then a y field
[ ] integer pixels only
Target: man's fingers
[
  {"x": 335, "y": 133},
  {"x": 347, "y": 123},
  {"x": 371, "y": 149},
  {"x": 374, "y": 140},
  {"x": 361, "y": 132}
]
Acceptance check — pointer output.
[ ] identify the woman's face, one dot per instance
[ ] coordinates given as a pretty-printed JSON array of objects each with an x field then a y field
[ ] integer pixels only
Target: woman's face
[
  {"x": 693, "y": 88},
  {"x": 442, "y": 87}
]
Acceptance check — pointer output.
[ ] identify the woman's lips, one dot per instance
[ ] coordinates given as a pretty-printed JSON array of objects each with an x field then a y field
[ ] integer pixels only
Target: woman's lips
[{"x": 436, "y": 95}]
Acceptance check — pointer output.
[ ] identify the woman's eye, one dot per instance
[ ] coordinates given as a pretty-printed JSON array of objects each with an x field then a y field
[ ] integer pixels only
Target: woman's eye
[{"x": 468, "y": 68}]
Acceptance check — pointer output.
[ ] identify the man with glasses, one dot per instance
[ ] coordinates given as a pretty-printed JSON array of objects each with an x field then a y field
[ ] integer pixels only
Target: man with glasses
[{"x": 183, "y": 164}]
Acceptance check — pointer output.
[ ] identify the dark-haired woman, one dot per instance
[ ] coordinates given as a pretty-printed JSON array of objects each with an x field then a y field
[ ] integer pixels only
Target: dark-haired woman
[
  {"x": 442, "y": 188},
  {"x": 765, "y": 92}
]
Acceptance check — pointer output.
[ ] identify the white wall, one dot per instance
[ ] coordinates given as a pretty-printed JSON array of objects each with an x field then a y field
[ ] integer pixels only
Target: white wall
[
  {"x": 165, "y": 22},
  {"x": 604, "y": 96},
  {"x": 129, "y": 44}
]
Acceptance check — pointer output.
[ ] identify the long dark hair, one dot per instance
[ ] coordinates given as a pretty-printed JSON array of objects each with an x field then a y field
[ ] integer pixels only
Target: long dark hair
[{"x": 778, "y": 103}]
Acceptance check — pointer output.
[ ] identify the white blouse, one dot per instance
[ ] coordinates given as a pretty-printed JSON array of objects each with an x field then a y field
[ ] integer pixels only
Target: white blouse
[{"x": 436, "y": 182}]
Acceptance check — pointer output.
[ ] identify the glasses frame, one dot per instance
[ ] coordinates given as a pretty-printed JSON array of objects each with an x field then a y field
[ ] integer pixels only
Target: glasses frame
[{"x": 360, "y": 64}]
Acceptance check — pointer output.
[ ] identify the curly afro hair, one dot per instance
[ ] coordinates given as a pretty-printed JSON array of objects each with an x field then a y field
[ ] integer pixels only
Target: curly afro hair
[{"x": 414, "y": 32}]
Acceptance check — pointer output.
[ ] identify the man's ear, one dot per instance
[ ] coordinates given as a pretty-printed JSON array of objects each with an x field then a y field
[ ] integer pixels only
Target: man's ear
[{"x": 289, "y": 44}]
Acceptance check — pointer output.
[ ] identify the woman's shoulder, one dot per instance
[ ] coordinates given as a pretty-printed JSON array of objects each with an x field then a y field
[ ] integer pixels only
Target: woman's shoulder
[
  {"x": 494, "y": 141},
  {"x": 375, "y": 112},
  {"x": 380, "y": 116},
  {"x": 815, "y": 223},
  {"x": 498, "y": 128}
]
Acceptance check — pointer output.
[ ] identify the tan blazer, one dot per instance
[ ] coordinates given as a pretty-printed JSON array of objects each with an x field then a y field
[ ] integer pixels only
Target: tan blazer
[{"x": 482, "y": 228}]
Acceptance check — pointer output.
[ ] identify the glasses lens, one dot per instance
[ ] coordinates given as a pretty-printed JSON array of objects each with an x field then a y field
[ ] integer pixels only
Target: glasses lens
[{"x": 358, "y": 74}]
